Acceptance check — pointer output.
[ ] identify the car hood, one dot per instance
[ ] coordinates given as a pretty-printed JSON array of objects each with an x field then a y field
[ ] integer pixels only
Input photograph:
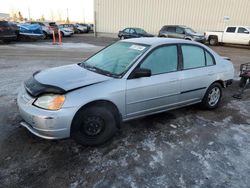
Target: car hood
[{"x": 62, "y": 79}]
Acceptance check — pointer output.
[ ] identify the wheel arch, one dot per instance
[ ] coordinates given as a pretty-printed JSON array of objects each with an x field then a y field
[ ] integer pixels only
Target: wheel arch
[
  {"x": 213, "y": 36},
  {"x": 106, "y": 103},
  {"x": 221, "y": 82}
]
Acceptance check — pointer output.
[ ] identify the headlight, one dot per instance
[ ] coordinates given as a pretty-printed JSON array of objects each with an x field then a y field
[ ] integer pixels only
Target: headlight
[{"x": 50, "y": 101}]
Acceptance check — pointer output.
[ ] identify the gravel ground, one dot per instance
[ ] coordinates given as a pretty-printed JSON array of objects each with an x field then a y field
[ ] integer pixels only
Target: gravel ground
[{"x": 187, "y": 147}]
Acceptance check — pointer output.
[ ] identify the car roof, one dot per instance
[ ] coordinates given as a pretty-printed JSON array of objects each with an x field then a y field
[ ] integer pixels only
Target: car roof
[
  {"x": 175, "y": 26},
  {"x": 155, "y": 41}
]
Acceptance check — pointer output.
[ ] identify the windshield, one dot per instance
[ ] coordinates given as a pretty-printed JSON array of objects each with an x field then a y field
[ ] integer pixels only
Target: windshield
[
  {"x": 140, "y": 31},
  {"x": 115, "y": 59},
  {"x": 189, "y": 30}
]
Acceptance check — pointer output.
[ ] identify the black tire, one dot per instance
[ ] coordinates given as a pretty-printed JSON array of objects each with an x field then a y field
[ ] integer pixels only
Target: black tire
[
  {"x": 207, "y": 102},
  {"x": 94, "y": 125},
  {"x": 213, "y": 41}
]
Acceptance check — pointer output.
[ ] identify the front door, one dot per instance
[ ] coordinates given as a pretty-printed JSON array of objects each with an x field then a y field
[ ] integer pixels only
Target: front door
[
  {"x": 159, "y": 91},
  {"x": 243, "y": 36}
]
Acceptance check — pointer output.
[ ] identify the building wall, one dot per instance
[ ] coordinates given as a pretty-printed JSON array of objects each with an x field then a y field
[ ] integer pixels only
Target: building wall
[
  {"x": 202, "y": 15},
  {"x": 4, "y": 16}
]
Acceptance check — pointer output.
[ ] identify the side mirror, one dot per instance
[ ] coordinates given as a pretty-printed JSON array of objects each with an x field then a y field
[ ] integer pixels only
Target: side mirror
[
  {"x": 141, "y": 72},
  {"x": 246, "y": 32}
]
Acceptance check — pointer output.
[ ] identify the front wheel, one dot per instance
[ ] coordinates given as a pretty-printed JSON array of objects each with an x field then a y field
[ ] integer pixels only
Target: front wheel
[
  {"x": 212, "y": 97},
  {"x": 93, "y": 125}
]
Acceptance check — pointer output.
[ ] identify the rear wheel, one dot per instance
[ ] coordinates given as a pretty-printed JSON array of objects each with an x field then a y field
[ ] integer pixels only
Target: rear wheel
[
  {"x": 93, "y": 125},
  {"x": 212, "y": 97},
  {"x": 213, "y": 41}
]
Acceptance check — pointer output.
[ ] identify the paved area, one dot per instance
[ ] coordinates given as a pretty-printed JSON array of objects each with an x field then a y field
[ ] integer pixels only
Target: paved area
[{"x": 187, "y": 147}]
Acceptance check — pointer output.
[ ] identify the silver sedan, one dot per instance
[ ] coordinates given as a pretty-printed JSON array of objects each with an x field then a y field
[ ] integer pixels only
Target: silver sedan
[{"x": 126, "y": 80}]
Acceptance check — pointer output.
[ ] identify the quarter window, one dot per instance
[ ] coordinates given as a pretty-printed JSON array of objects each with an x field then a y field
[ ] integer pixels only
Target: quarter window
[
  {"x": 193, "y": 57},
  {"x": 231, "y": 29},
  {"x": 209, "y": 59},
  {"x": 162, "y": 60}
]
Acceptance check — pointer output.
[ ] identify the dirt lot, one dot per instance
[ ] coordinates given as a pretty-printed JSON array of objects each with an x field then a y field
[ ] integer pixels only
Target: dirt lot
[{"x": 187, "y": 147}]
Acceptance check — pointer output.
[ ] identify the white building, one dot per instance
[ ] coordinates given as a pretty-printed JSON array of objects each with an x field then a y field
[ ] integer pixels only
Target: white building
[
  {"x": 202, "y": 15},
  {"x": 4, "y": 16}
]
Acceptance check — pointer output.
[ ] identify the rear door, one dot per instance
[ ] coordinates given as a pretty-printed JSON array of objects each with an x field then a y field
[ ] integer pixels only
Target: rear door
[
  {"x": 180, "y": 33},
  {"x": 133, "y": 33},
  {"x": 229, "y": 36},
  {"x": 159, "y": 91},
  {"x": 198, "y": 72},
  {"x": 126, "y": 32},
  {"x": 171, "y": 32}
]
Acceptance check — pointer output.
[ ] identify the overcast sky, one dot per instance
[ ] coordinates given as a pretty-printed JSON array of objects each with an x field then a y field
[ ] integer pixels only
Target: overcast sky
[{"x": 79, "y": 10}]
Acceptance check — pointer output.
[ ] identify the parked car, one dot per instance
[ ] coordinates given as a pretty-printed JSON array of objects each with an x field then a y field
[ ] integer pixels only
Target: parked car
[
  {"x": 30, "y": 31},
  {"x": 82, "y": 28},
  {"x": 231, "y": 35},
  {"x": 128, "y": 79},
  {"x": 14, "y": 26},
  {"x": 7, "y": 32},
  {"x": 70, "y": 26},
  {"x": 133, "y": 33},
  {"x": 47, "y": 27},
  {"x": 181, "y": 32},
  {"x": 65, "y": 32}
]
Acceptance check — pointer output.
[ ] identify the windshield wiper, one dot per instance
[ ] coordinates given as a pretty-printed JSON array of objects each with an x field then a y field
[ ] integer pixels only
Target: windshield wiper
[{"x": 97, "y": 69}]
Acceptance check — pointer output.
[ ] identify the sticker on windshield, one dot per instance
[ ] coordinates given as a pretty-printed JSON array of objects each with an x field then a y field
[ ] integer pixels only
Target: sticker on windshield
[{"x": 137, "y": 47}]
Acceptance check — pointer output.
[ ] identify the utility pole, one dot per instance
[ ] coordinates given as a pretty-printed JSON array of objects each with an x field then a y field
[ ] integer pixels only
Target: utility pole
[
  {"x": 29, "y": 12},
  {"x": 67, "y": 16}
]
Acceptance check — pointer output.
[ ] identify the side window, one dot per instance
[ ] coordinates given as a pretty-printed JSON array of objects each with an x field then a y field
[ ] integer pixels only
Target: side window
[
  {"x": 171, "y": 29},
  {"x": 126, "y": 30},
  {"x": 193, "y": 57},
  {"x": 209, "y": 59},
  {"x": 132, "y": 31},
  {"x": 180, "y": 30},
  {"x": 243, "y": 30},
  {"x": 162, "y": 60},
  {"x": 231, "y": 29}
]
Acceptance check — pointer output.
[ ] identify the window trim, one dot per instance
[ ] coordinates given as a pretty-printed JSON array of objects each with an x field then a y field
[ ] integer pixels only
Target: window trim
[
  {"x": 150, "y": 52},
  {"x": 204, "y": 51}
]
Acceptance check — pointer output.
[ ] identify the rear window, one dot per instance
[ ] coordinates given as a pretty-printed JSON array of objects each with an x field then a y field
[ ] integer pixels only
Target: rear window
[{"x": 231, "y": 29}]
